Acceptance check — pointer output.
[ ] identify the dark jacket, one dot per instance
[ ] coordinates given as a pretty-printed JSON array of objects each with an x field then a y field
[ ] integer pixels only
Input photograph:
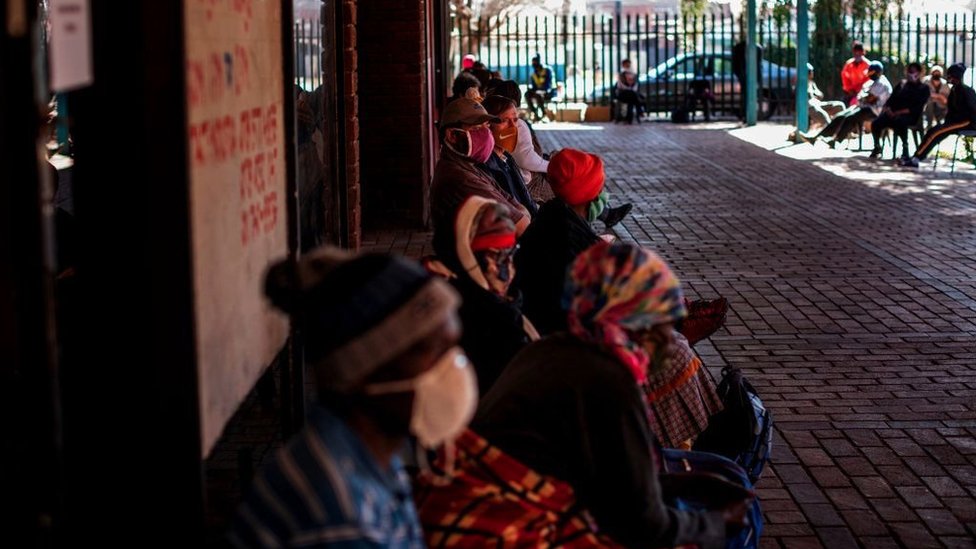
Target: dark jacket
[
  {"x": 508, "y": 177},
  {"x": 553, "y": 240},
  {"x": 455, "y": 179},
  {"x": 493, "y": 330},
  {"x": 569, "y": 410},
  {"x": 911, "y": 96},
  {"x": 961, "y": 105}
]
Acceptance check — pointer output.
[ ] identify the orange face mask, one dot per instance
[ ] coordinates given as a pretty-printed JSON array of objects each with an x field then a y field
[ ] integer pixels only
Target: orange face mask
[{"x": 507, "y": 139}]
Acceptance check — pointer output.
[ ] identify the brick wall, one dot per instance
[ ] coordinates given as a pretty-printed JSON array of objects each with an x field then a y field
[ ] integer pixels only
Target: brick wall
[
  {"x": 350, "y": 98},
  {"x": 392, "y": 109}
]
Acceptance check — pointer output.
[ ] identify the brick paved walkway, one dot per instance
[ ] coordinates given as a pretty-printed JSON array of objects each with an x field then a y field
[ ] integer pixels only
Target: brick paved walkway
[{"x": 853, "y": 312}]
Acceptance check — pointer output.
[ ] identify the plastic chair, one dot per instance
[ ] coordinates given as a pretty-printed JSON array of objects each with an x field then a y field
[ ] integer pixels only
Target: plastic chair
[{"x": 955, "y": 147}]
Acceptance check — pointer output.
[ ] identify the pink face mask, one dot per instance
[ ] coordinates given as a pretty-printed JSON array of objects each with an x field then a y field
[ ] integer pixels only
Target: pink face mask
[{"x": 482, "y": 143}]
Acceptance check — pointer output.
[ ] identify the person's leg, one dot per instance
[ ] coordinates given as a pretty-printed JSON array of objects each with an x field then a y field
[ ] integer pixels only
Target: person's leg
[
  {"x": 935, "y": 135},
  {"x": 611, "y": 216},
  {"x": 878, "y": 128},
  {"x": 818, "y": 116},
  {"x": 852, "y": 122},
  {"x": 900, "y": 126},
  {"x": 830, "y": 130}
]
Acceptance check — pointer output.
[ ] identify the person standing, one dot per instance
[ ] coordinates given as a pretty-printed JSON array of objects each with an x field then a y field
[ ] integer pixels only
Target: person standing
[{"x": 854, "y": 74}]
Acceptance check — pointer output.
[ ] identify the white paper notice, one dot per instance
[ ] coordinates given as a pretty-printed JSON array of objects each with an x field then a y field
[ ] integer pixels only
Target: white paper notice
[{"x": 70, "y": 47}]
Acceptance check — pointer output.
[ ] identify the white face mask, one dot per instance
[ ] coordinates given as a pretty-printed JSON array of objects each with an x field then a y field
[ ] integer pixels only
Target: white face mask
[{"x": 445, "y": 398}]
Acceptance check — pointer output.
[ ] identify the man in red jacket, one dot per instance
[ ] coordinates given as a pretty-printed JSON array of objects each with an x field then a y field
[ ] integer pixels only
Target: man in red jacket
[{"x": 854, "y": 74}]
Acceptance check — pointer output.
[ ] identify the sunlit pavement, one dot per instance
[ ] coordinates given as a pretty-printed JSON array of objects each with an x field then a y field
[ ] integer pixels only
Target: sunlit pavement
[{"x": 853, "y": 310}]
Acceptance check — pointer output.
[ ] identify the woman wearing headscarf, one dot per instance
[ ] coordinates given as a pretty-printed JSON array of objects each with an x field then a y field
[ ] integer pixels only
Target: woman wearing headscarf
[
  {"x": 566, "y": 430},
  {"x": 480, "y": 267}
]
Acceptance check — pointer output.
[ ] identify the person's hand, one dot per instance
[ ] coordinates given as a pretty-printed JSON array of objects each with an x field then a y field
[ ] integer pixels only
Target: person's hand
[{"x": 734, "y": 515}]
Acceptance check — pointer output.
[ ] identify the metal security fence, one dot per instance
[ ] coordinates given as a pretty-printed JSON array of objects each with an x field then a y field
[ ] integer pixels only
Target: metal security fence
[
  {"x": 308, "y": 54},
  {"x": 669, "y": 52}
]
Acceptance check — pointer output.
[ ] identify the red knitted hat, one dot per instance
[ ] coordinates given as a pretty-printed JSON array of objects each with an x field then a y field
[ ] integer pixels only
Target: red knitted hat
[{"x": 575, "y": 176}]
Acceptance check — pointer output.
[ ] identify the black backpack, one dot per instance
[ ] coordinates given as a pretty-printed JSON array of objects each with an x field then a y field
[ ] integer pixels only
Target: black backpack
[{"x": 743, "y": 430}]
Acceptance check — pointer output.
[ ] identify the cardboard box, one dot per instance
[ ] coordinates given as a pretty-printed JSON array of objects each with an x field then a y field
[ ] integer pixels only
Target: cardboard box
[
  {"x": 597, "y": 114},
  {"x": 571, "y": 112}
]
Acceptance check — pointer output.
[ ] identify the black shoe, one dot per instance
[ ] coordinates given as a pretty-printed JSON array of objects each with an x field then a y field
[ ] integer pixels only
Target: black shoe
[
  {"x": 876, "y": 153},
  {"x": 909, "y": 162},
  {"x": 613, "y": 216}
]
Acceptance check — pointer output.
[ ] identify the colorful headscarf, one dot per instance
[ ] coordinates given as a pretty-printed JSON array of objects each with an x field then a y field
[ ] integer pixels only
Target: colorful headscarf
[{"x": 615, "y": 291}]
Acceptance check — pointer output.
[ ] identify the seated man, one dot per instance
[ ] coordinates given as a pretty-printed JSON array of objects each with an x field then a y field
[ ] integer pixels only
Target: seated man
[
  {"x": 466, "y": 144},
  {"x": 960, "y": 115},
  {"x": 870, "y": 102},
  {"x": 903, "y": 109},
  {"x": 935, "y": 109},
  {"x": 542, "y": 88},
  {"x": 381, "y": 336},
  {"x": 628, "y": 92},
  {"x": 820, "y": 111}
]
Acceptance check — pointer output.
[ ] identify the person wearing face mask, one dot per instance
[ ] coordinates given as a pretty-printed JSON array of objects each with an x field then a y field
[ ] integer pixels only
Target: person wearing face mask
[
  {"x": 903, "y": 109},
  {"x": 381, "y": 336},
  {"x": 854, "y": 74},
  {"x": 533, "y": 165},
  {"x": 501, "y": 165},
  {"x": 960, "y": 115},
  {"x": 870, "y": 102},
  {"x": 935, "y": 109},
  {"x": 480, "y": 267},
  {"x": 559, "y": 232},
  {"x": 467, "y": 143},
  {"x": 569, "y": 406},
  {"x": 562, "y": 230}
]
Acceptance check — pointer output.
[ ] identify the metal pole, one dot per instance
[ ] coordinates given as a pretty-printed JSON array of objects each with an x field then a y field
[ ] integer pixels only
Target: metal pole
[
  {"x": 751, "y": 68},
  {"x": 802, "y": 58}
]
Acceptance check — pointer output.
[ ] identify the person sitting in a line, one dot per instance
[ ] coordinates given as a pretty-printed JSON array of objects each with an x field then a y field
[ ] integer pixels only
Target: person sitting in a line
[
  {"x": 561, "y": 231},
  {"x": 480, "y": 266},
  {"x": 381, "y": 337},
  {"x": 465, "y": 85},
  {"x": 820, "y": 111},
  {"x": 935, "y": 109},
  {"x": 628, "y": 92},
  {"x": 870, "y": 102},
  {"x": 903, "y": 109},
  {"x": 960, "y": 115},
  {"x": 501, "y": 164},
  {"x": 533, "y": 166},
  {"x": 466, "y": 144},
  {"x": 566, "y": 431}
]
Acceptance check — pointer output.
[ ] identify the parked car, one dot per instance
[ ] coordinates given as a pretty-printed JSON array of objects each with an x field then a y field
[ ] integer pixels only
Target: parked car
[{"x": 665, "y": 85}]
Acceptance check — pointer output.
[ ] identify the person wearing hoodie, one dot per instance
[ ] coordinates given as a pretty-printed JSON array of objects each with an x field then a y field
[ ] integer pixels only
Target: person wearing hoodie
[{"x": 480, "y": 267}]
